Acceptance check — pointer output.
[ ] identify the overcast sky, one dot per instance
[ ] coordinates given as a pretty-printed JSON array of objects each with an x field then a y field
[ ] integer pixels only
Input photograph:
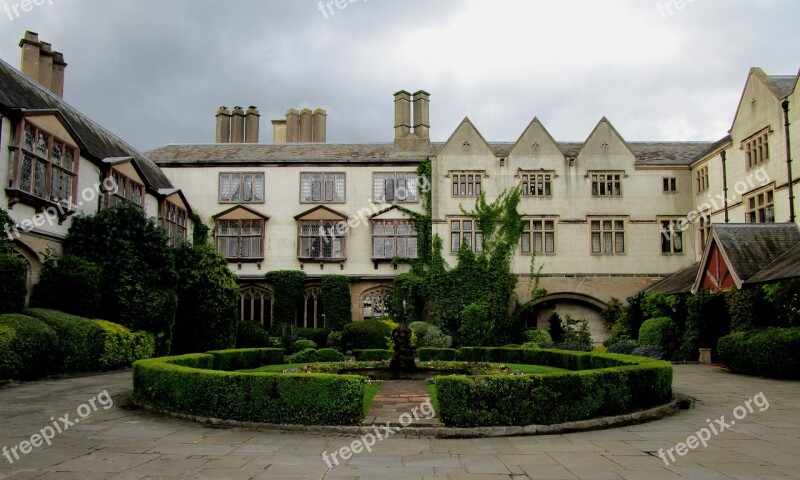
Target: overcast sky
[{"x": 154, "y": 72}]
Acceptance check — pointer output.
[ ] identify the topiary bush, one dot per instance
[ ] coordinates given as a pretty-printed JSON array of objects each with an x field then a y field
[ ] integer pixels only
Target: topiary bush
[
  {"x": 308, "y": 355},
  {"x": 329, "y": 355},
  {"x": 652, "y": 332},
  {"x": 245, "y": 358},
  {"x": 427, "y": 354},
  {"x": 69, "y": 284},
  {"x": 771, "y": 352},
  {"x": 335, "y": 341},
  {"x": 335, "y": 296},
  {"x": 122, "y": 347},
  {"x": 538, "y": 337},
  {"x": 13, "y": 287},
  {"x": 252, "y": 335},
  {"x": 369, "y": 334},
  {"x": 317, "y": 335},
  {"x": 475, "y": 328},
  {"x": 371, "y": 355},
  {"x": 303, "y": 344},
  {"x": 429, "y": 335},
  {"x": 81, "y": 342},
  {"x": 32, "y": 346}
]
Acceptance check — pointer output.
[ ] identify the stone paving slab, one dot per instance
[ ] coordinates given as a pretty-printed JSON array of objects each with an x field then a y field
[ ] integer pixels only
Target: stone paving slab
[{"x": 130, "y": 444}]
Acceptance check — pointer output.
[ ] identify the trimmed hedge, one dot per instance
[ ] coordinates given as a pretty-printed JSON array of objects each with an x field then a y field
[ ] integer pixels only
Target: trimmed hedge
[
  {"x": 251, "y": 335},
  {"x": 246, "y": 358},
  {"x": 329, "y": 355},
  {"x": 432, "y": 354},
  {"x": 122, "y": 347},
  {"x": 80, "y": 341},
  {"x": 771, "y": 352},
  {"x": 13, "y": 288},
  {"x": 31, "y": 347},
  {"x": 369, "y": 334},
  {"x": 651, "y": 333},
  {"x": 303, "y": 344},
  {"x": 605, "y": 384},
  {"x": 317, "y": 335},
  {"x": 370, "y": 355},
  {"x": 185, "y": 385}
]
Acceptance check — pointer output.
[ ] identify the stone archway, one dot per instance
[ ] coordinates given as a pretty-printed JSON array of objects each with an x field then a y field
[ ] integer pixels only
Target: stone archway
[{"x": 576, "y": 305}]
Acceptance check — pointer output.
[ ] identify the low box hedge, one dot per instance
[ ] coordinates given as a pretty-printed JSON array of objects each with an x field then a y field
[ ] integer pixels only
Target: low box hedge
[
  {"x": 371, "y": 355},
  {"x": 184, "y": 385},
  {"x": 122, "y": 347},
  {"x": 246, "y": 358},
  {"x": 368, "y": 334},
  {"x": 771, "y": 352},
  {"x": 29, "y": 349},
  {"x": 601, "y": 384},
  {"x": 427, "y": 354},
  {"x": 80, "y": 341},
  {"x": 317, "y": 335}
]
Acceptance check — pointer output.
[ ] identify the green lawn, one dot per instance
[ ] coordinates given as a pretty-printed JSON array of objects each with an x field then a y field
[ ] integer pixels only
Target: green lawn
[
  {"x": 434, "y": 397},
  {"x": 369, "y": 394},
  {"x": 534, "y": 368}
]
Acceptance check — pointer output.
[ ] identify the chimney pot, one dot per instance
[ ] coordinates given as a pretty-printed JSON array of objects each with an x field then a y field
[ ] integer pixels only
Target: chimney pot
[
  {"x": 42, "y": 64},
  {"x": 237, "y": 125},
  {"x": 252, "y": 125},
  {"x": 320, "y": 126}
]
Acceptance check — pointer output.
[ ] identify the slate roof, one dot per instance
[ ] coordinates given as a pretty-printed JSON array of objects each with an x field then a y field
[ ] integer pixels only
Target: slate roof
[
  {"x": 752, "y": 247},
  {"x": 646, "y": 153},
  {"x": 19, "y": 93},
  {"x": 783, "y": 267},
  {"x": 781, "y": 85},
  {"x": 681, "y": 282}
]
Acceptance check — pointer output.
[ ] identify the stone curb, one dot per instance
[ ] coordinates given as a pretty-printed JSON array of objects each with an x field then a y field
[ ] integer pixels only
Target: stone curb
[{"x": 679, "y": 402}]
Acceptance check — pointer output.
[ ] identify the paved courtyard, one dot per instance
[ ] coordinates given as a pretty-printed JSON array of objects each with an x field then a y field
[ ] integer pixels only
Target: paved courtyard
[{"x": 126, "y": 444}]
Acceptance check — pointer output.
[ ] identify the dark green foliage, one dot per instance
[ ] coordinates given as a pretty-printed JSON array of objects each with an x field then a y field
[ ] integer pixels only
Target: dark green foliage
[
  {"x": 648, "y": 351},
  {"x": 251, "y": 335},
  {"x": 785, "y": 299},
  {"x": 556, "y": 328},
  {"x": 651, "y": 333},
  {"x": 30, "y": 347},
  {"x": 576, "y": 331},
  {"x": 308, "y": 355},
  {"x": 771, "y": 352},
  {"x": 749, "y": 309},
  {"x": 80, "y": 341},
  {"x": 431, "y": 354},
  {"x": 303, "y": 344},
  {"x": 622, "y": 346},
  {"x": 208, "y": 300},
  {"x": 200, "y": 231},
  {"x": 137, "y": 287},
  {"x": 335, "y": 295},
  {"x": 634, "y": 316},
  {"x": 612, "y": 312},
  {"x": 175, "y": 384},
  {"x": 245, "y": 359},
  {"x": 121, "y": 347},
  {"x": 335, "y": 341},
  {"x": 476, "y": 328},
  {"x": 370, "y": 355},
  {"x": 69, "y": 284},
  {"x": 369, "y": 334},
  {"x": 317, "y": 335},
  {"x": 429, "y": 335},
  {"x": 288, "y": 288},
  {"x": 329, "y": 355},
  {"x": 288, "y": 335},
  {"x": 658, "y": 305},
  {"x": 607, "y": 385},
  {"x": 539, "y": 337},
  {"x": 707, "y": 321},
  {"x": 409, "y": 288},
  {"x": 13, "y": 289}
]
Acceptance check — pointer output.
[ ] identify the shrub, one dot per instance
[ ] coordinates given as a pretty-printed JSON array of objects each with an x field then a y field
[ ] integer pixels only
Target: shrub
[
  {"x": 371, "y": 355},
  {"x": 573, "y": 347},
  {"x": 208, "y": 300},
  {"x": 31, "y": 347},
  {"x": 288, "y": 333},
  {"x": 252, "y": 335},
  {"x": 121, "y": 347},
  {"x": 785, "y": 299},
  {"x": 576, "y": 331},
  {"x": 369, "y": 334},
  {"x": 300, "y": 345},
  {"x": 623, "y": 346},
  {"x": 537, "y": 337},
  {"x": 649, "y": 352},
  {"x": 533, "y": 345},
  {"x": 317, "y": 335},
  {"x": 706, "y": 322},
  {"x": 288, "y": 288},
  {"x": 176, "y": 385},
  {"x": 308, "y": 355},
  {"x": 329, "y": 355},
  {"x": 335, "y": 340},
  {"x": 652, "y": 332},
  {"x": 335, "y": 295},
  {"x": 769, "y": 352},
  {"x": 13, "y": 287},
  {"x": 429, "y": 335},
  {"x": 433, "y": 354},
  {"x": 475, "y": 328},
  {"x": 69, "y": 284},
  {"x": 556, "y": 328},
  {"x": 80, "y": 341},
  {"x": 9, "y": 361},
  {"x": 246, "y": 358}
]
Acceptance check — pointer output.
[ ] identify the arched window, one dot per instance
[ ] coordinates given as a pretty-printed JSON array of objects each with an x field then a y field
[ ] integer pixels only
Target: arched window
[
  {"x": 255, "y": 305},
  {"x": 376, "y": 303},
  {"x": 311, "y": 314}
]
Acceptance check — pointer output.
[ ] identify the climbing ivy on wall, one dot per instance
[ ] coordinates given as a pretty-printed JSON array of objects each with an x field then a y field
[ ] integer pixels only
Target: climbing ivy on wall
[
  {"x": 335, "y": 293},
  {"x": 287, "y": 287}
]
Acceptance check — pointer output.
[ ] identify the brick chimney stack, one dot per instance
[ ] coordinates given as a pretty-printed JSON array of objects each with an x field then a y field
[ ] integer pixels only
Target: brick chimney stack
[{"x": 42, "y": 64}]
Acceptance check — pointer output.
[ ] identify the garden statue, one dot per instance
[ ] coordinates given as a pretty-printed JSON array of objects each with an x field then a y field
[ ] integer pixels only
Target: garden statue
[{"x": 403, "y": 360}]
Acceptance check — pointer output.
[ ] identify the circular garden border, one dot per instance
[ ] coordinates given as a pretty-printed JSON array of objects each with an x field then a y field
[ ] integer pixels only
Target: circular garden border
[{"x": 600, "y": 391}]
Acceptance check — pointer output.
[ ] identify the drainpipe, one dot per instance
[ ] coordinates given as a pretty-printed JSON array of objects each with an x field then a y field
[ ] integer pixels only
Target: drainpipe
[
  {"x": 789, "y": 158},
  {"x": 725, "y": 183}
]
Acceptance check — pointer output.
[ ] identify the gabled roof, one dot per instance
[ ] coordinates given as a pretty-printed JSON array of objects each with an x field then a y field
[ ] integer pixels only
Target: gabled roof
[
  {"x": 748, "y": 248},
  {"x": 681, "y": 282},
  {"x": 781, "y": 86},
  {"x": 532, "y": 127},
  {"x": 20, "y": 94},
  {"x": 241, "y": 207},
  {"x": 605, "y": 121},
  {"x": 467, "y": 125},
  {"x": 323, "y": 208},
  {"x": 783, "y": 267}
]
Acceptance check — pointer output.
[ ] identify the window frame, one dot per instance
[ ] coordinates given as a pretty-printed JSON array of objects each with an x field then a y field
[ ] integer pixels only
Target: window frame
[
  {"x": 756, "y": 212},
  {"x": 124, "y": 186},
  {"x": 546, "y": 183},
  {"x": 669, "y": 185},
  {"x": 701, "y": 179},
  {"x": 395, "y": 235},
  {"x": 669, "y": 233},
  {"x": 466, "y": 183},
  {"x": 475, "y": 234},
  {"x": 756, "y": 148},
  {"x": 241, "y": 188},
  {"x": 601, "y": 235},
  {"x": 171, "y": 226},
  {"x": 531, "y": 233},
  {"x": 239, "y": 236},
  {"x": 384, "y": 177},
  {"x": 332, "y": 226},
  {"x": 612, "y": 185},
  {"x": 323, "y": 183}
]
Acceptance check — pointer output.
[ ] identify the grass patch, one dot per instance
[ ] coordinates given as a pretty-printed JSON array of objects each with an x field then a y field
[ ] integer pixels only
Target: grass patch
[
  {"x": 533, "y": 369},
  {"x": 369, "y": 395},
  {"x": 277, "y": 368},
  {"x": 434, "y": 397}
]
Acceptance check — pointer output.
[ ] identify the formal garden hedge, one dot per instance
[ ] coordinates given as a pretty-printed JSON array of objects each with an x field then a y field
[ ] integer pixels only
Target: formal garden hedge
[
  {"x": 771, "y": 352},
  {"x": 192, "y": 385},
  {"x": 370, "y": 355}
]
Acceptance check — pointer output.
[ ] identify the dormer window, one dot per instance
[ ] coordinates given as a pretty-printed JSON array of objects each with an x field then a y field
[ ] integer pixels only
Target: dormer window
[{"x": 127, "y": 189}]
